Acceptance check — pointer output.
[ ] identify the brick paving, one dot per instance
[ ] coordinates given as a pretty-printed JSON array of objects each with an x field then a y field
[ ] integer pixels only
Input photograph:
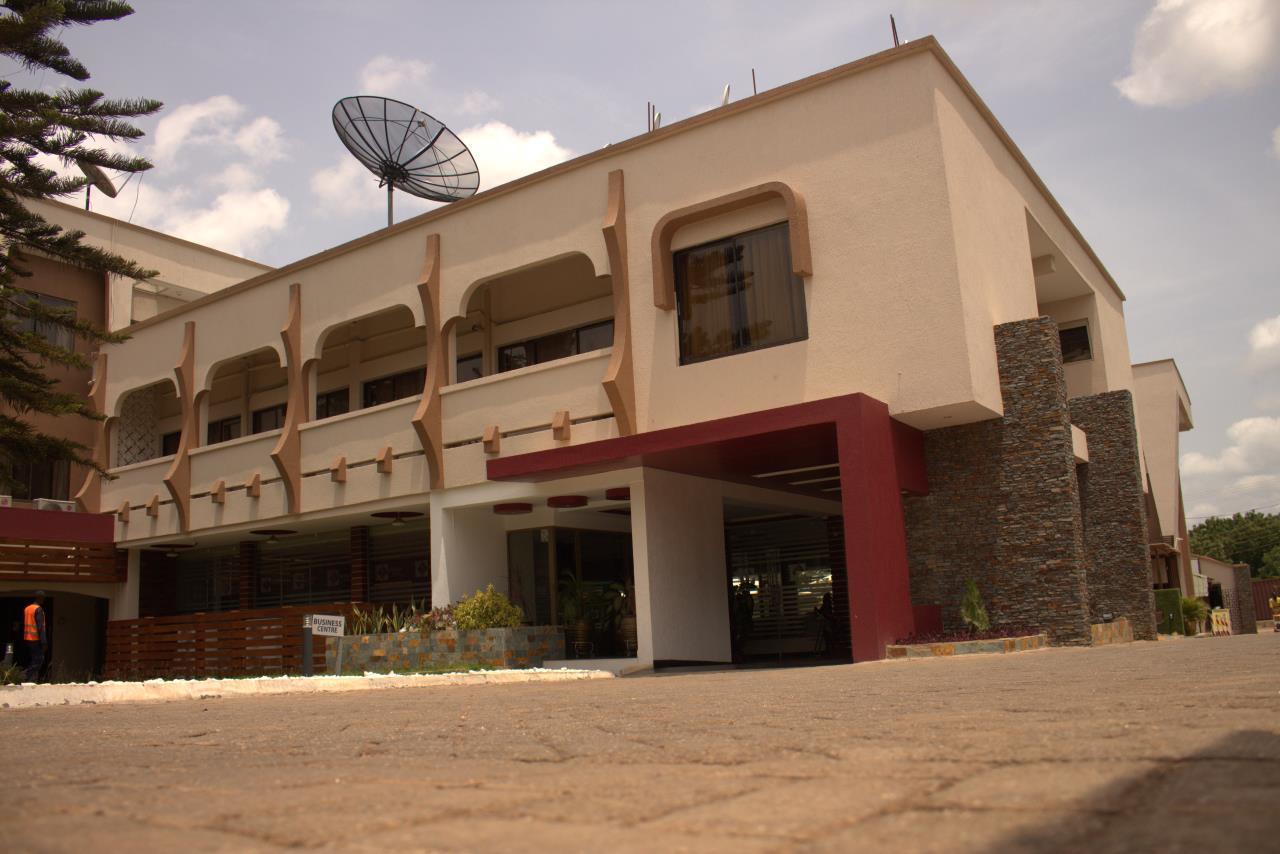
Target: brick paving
[{"x": 1169, "y": 746}]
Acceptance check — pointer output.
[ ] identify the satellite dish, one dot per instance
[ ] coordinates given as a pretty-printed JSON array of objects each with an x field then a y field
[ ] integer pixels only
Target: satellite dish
[
  {"x": 97, "y": 178},
  {"x": 724, "y": 99},
  {"x": 406, "y": 148}
]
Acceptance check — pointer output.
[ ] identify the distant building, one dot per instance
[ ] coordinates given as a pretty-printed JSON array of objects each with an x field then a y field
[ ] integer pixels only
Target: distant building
[{"x": 32, "y": 555}]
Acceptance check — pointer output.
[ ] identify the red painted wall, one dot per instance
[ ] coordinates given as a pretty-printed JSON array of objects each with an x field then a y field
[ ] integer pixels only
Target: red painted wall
[{"x": 19, "y": 523}]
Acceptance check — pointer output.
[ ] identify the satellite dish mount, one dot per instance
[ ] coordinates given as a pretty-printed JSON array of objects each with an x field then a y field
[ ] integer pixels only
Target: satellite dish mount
[{"x": 406, "y": 148}]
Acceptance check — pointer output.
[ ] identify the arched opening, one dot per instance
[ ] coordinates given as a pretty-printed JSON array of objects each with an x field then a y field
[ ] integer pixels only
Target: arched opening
[
  {"x": 149, "y": 424},
  {"x": 246, "y": 395},
  {"x": 532, "y": 316},
  {"x": 369, "y": 361}
]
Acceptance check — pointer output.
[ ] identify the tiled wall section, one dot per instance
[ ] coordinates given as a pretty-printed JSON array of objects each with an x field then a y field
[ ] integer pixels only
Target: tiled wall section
[
  {"x": 528, "y": 646},
  {"x": 1118, "y": 570},
  {"x": 1004, "y": 505}
]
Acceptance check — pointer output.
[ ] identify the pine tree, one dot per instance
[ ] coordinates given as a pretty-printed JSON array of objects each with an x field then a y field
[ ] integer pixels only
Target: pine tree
[{"x": 67, "y": 124}]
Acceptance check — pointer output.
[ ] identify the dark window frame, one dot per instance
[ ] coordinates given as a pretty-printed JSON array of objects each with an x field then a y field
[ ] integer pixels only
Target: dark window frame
[
  {"x": 279, "y": 411},
  {"x": 404, "y": 384},
  {"x": 1076, "y": 326},
  {"x": 738, "y": 310},
  {"x": 168, "y": 440},
  {"x": 58, "y": 336},
  {"x": 469, "y": 357},
  {"x": 219, "y": 427},
  {"x": 327, "y": 397},
  {"x": 532, "y": 344}
]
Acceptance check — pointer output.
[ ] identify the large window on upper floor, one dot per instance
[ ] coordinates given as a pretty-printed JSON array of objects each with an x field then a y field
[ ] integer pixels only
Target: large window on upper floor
[
  {"x": 58, "y": 336},
  {"x": 738, "y": 294},
  {"x": 557, "y": 345},
  {"x": 270, "y": 418}
]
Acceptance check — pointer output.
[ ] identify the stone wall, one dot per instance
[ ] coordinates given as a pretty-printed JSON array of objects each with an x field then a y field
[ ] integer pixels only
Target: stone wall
[
  {"x": 1114, "y": 519},
  {"x": 404, "y": 652},
  {"x": 1244, "y": 614},
  {"x": 1003, "y": 505}
]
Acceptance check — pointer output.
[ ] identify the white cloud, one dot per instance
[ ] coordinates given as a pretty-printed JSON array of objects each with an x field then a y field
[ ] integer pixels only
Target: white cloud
[
  {"x": 347, "y": 187},
  {"x": 237, "y": 221},
  {"x": 1187, "y": 50},
  {"x": 393, "y": 77},
  {"x": 477, "y": 103},
  {"x": 504, "y": 153},
  {"x": 206, "y": 121},
  {"x": 261, "y": 139},
  {"x": 1264, "y": 343},
  {"x": 1254, "y": 449}
]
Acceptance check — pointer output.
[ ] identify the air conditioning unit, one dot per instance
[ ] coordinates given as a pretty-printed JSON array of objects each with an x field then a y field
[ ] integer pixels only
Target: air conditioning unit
[
  {"x": 6, "y": 500},
  {"x": 51, "y": 504}
]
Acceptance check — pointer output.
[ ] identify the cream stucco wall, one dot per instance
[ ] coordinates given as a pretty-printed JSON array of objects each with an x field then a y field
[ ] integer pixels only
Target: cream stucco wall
[
  {"x": 1164, "y": 411},
  {"x": 917, "y": 213},
  {"x": 187, "y": 270}
]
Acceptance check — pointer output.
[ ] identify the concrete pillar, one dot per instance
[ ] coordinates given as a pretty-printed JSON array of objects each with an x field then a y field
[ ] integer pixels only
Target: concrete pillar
[
  {"x": 124, "y": 599},
  {"x": 468, "y": 552},
  {"x": 677, "y": 537},
  {"x": 875, "y": 540}
]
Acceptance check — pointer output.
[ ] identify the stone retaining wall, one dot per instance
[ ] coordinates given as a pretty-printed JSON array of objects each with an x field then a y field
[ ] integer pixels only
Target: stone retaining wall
[
  {"x": 528, "y": 646},
  {"x": 1117, "y": 631},
  {"x": 936, "y": 650}
]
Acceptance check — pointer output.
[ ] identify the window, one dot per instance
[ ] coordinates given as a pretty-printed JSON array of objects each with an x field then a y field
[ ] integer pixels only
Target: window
[
  {"x": 224, "y": 430},
  {"x": 47, "y": 479},
  {"x": 271, "y": 418},
  {"x": 738, "y": 294},
  {"x": 58, "y": 336},
  {"x": 470, "y": 367},
  {"x": 1075, "y": 342},
  {"x": 332, "y": 403},
  {"x": 169, "y": 443},
  {"x": 557, "y": 345},
  {"x": 394, "y": 387}
]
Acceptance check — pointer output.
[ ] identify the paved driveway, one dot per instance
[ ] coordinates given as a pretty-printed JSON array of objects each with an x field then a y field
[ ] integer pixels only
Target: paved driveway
[{"x": 1171, "y": 746}]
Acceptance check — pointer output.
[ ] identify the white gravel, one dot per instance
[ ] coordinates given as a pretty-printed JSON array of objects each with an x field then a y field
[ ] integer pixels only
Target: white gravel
[{"x": 30, "y": 695}]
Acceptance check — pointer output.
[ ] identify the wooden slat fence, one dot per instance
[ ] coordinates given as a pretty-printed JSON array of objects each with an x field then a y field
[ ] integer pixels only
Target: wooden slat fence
[
  {"x": 46, "y": 560},
  {"x": 260, "y": 642},
  {"x": 1263, "y": 590}
]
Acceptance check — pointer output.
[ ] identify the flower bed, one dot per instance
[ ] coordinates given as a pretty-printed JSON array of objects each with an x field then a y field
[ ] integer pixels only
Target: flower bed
[
  {"x": 964, "y": 644},
  {"x": 526, "y": 646}
]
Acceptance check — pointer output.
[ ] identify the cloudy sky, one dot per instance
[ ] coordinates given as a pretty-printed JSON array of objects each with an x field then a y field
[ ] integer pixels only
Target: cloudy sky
[{"x": 1156, "y": 124}]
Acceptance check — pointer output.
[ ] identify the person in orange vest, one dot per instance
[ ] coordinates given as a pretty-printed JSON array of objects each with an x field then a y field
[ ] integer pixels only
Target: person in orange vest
[{"x": 35, "y": 634}]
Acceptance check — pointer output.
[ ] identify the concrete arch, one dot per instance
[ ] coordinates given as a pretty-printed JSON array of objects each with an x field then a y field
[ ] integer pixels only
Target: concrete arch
[
  {"x": 316, "y": 350},
  {"x": 206, "y": 383},
  {"x": 459, "y": 309}
]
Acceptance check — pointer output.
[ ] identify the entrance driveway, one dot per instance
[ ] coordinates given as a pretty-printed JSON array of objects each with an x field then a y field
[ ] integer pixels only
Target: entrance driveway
[{"x": 1150, "y": 746}]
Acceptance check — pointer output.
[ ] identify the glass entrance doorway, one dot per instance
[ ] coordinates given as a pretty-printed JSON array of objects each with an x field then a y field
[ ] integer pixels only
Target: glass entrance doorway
[
  {"x": 583, "y": 580},
  {"x": 788, "y": 591}
]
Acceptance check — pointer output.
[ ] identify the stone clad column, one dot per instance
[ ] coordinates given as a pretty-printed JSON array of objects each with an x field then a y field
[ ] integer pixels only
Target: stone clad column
[
  {"x": 1113, "y": 509},
  {"x": 1004, "y": 506}
]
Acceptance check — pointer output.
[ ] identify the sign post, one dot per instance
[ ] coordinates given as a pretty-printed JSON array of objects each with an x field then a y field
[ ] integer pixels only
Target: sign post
[
  {"x": 329, "y": 627},
  {"x": 308, "y": 658}
]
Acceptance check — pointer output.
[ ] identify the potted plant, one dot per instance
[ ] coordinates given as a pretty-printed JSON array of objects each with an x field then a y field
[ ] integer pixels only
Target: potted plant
[{"x": 1194, "y": 612}]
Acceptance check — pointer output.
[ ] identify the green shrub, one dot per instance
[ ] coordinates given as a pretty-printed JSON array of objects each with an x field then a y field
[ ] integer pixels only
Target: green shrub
[
  {"x": 972, "y": 609},
  {"x": 12, "y": 674},
  {"x": 1169, "y": 610},
  {"x": 487, "y": 609}
]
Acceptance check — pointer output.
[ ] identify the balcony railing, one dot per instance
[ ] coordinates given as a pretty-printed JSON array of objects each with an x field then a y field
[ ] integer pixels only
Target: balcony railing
[{"x": 527, "y": 399}]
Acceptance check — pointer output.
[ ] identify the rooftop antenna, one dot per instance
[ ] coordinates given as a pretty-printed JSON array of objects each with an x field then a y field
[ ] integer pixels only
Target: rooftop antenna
[
  {"x": 893, "y": 25},
  {"x": 724, "y": 99},
  {"x": 753, "y": 82},
  {"x": 406, "y": 148},
  {"x": 97, "y": 178}
]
